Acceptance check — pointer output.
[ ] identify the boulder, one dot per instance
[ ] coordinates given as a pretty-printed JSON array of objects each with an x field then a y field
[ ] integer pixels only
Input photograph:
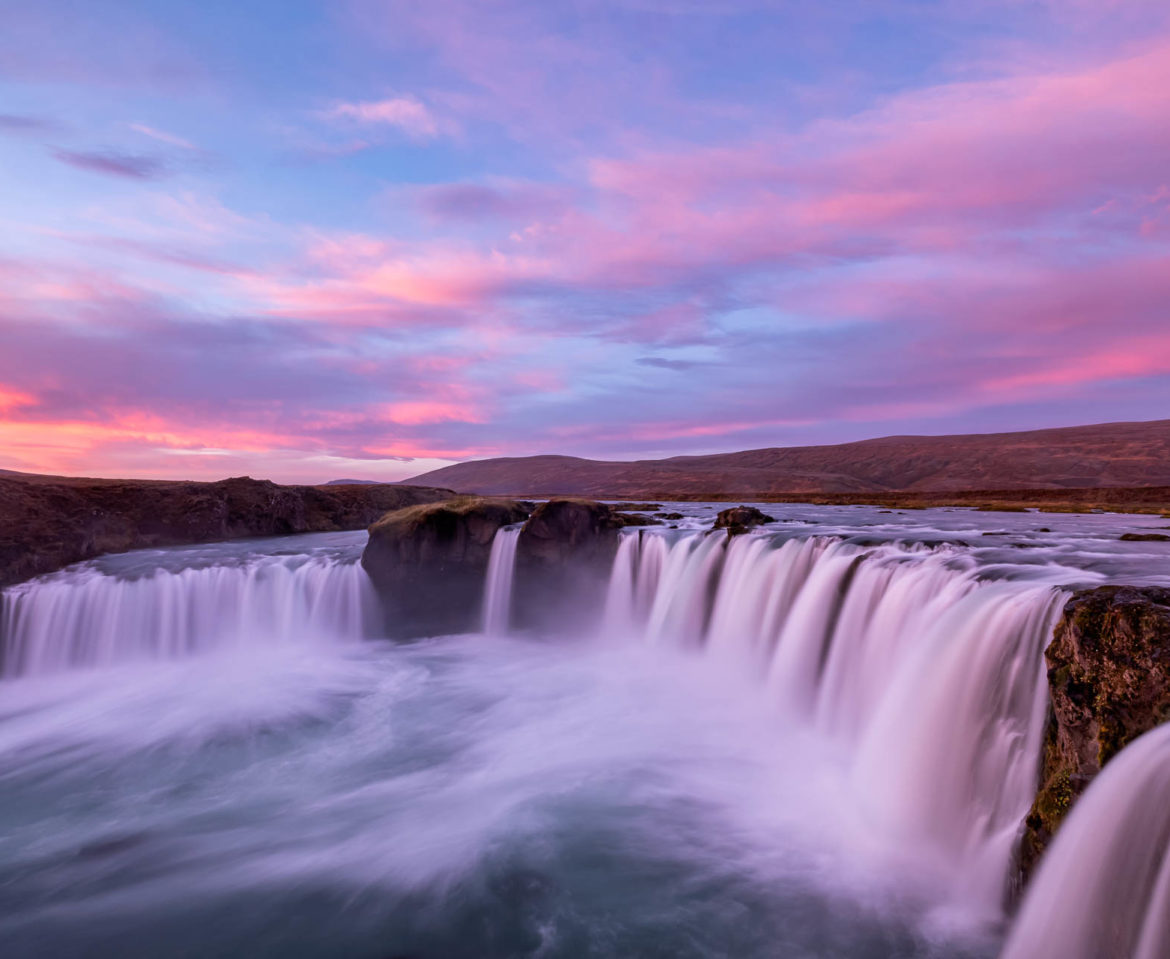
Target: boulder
[
  {"x": 428, "y": 563},
  {"x": 563, "y": 561},
  {"x": 739, "y": 519},
  {"x": 1144, "y": 538},
  {"x": 1109, "y": 682},
  {"x": 638, "y": 519}
]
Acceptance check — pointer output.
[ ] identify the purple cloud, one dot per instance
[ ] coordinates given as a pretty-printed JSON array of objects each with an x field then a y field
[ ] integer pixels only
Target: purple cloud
[
  {"x": 469, "y": 202},
  {"x": 131, "y": 166},
  {"x": 24, "y": 125}
]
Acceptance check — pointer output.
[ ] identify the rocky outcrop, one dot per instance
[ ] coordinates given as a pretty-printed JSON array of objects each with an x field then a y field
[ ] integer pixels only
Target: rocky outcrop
[
  {"x": 1109, "y": 682},
  {"x": 429, "y": 562},
  {"x": 49, "y": 522},
  {"x": 564, "y": 529},
  {"x": 563, "y": 560},
  {"x": 739, "y": 519}
]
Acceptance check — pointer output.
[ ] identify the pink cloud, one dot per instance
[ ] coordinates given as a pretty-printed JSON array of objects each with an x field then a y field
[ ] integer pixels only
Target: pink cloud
[
  {"x": 405, "y": 113},
  {"x": 419, "y": 412}
]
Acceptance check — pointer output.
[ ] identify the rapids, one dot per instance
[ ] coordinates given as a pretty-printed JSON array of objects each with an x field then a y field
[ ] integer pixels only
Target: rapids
[{"x": 815, "y": 740}]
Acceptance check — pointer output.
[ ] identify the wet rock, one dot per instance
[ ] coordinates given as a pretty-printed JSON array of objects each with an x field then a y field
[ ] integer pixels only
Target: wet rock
[
  {"x": 635, "y": 507},
  {"x": 638, "y": 519},
  {"x": 739, "y": 519},
  {"x": 1144, "y": 538},
  {"x": 428, "y": 562},
  {"x": 1109, "y": 682},
  {"x": 563, "y": 560},
  {"x": 670, "y": 516}
]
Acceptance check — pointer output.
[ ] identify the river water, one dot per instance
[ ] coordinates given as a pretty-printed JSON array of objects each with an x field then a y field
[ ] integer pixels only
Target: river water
[{"x": 816, "y": 741}]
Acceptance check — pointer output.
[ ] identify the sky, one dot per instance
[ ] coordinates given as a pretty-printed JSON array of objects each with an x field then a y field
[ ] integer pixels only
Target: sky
[{"x": 309, "y": 241}]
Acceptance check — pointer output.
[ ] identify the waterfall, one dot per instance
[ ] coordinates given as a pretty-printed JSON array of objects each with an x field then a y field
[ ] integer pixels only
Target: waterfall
[
  {"x": 497, "y": 596},
  {"x": 83, "y": 617},
  {"x": 1103, "y": 889},
  {"x": 922, "y": 669},
  {"x": 925, "y": 671}
]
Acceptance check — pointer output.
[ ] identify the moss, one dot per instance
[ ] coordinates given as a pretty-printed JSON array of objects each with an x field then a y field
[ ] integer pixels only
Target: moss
[
  {"x": 1111, "y": 739},
  {"x": 455, "y": 506},
  {"x": 1054, "y": 801}
]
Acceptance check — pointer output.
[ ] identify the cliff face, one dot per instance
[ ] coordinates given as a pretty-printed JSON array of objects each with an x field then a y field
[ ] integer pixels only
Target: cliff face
[
  {"x": 1109, "y": 682},
  {"x": 563, "y": 561},
  {"x": 47, "y": 523},
  {"x": 428, "y": 563}
]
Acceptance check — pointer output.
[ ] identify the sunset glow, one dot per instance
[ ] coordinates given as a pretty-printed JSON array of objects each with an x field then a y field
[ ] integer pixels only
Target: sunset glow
[{"x": 370, "y": 238}]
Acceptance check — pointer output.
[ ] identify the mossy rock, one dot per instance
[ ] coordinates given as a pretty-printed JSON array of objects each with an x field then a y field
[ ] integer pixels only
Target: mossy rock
[{"x": 1109, "y": 682}]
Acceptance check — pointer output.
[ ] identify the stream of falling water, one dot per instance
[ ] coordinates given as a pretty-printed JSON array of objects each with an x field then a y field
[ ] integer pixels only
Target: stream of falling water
[
  {"x": 926, "y": 673},
  {"x": 776, "y": 746}
]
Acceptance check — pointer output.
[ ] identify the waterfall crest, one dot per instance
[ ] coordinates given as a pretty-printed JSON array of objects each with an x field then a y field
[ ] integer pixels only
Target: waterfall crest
[
  {"x": 497, "y": 596},
  {"x": 83, "y": 617},
  {"x": 1103, "y": 889},
  {"x": 929, "y": 676},
  {"x": 914, "y": 663}
]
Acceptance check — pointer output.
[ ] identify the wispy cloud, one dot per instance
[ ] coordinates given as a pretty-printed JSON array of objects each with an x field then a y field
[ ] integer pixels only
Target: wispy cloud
[
  {"x": 163, "y": 137},
  {"x": 19, "y": 124},
  {"x": 405, "y": 113},
  {"x": 129, "y": 165}
]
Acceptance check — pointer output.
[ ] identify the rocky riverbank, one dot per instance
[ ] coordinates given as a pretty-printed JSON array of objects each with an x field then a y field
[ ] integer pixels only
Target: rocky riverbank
[
  {"x": 47, "y": 523},
  {"x": 1109, "y": 682}
]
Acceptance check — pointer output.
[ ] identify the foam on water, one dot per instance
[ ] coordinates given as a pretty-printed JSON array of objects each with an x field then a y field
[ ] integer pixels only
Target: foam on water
[{"x": 779, "y": 744}]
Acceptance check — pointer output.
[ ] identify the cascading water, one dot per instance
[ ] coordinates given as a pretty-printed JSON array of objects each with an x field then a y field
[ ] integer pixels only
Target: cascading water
[
  {"x": 84, "y": 617},
  {"x": 497, "y": 597},
  {"x": 783, "y": 743},
  {"x": 1103, "y": 889},
  {"x": 929, "y": 676}
]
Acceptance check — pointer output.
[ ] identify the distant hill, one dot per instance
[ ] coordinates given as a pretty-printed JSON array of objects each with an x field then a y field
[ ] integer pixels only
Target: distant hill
[
  {"x": 349, "y": 482},
  {"x": 1103, "y": 455}
]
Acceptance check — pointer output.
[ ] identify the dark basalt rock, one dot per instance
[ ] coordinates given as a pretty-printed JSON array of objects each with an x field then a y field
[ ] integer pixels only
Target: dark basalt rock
[
  {"x": 739, "y": 519},
  {"x": 428, "y": 563},
  {"x": 1109, "y": 682},
  {"x": 638, "y": 519},
  {"x": 1144, "y": 538},
  {"x": 635, "y": 507},
  {"x": 670, "y": 516},
  {"x": 563, "y": 561},
  {"x": 49, "y": 522}
]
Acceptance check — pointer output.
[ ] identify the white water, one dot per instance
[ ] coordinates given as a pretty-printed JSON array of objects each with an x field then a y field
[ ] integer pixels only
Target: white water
[
  {"x": 1103, "y": 889},
  {"x": 87, "y": 618},
  {"x": 777, "y": 747},
  {"x": 928, "y": 678},
  {"x": 497, "y": 596}
]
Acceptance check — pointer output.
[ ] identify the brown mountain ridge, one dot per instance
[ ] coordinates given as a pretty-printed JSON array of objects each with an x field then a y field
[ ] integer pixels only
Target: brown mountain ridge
[{"x": 1103, "y": 455}]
